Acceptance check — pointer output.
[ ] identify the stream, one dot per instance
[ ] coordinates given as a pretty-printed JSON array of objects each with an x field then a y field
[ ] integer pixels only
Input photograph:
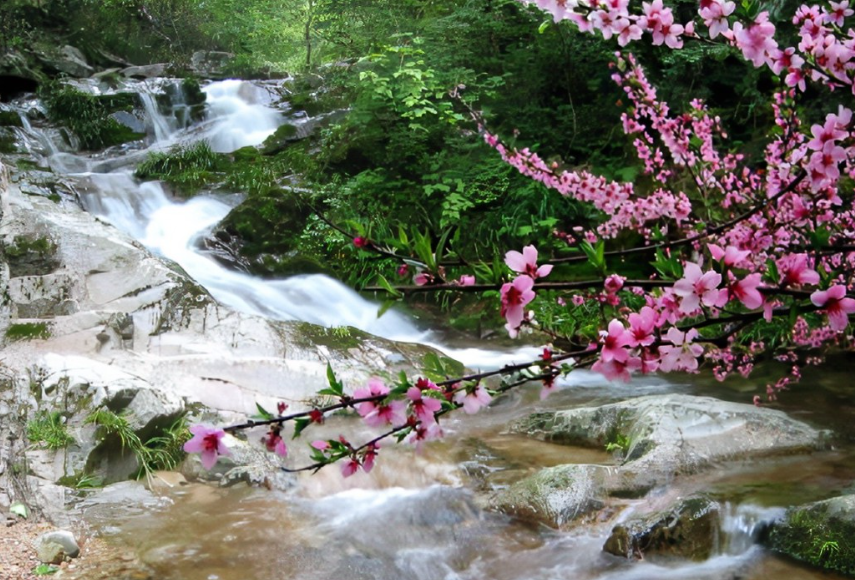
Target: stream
[{"x": 417, "y": 516}]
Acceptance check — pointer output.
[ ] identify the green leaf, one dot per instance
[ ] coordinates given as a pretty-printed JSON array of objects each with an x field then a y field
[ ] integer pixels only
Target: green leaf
[
  {"x": 45, "y": 569},
  {"x": 387, "y": 286},
  {"x": 335, "y": 386},
  {"x": 385, "y": 307},
  {"x": 772, "y": 276},
  {"x": 299, "y": 426},
  {"x": 263, "y": 413},
  {"x": 19, "y": 509},
  {"x": 543, "y": 26}
]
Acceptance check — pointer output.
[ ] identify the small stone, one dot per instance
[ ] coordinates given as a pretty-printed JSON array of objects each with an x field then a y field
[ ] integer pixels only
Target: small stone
[{"x": 53, "y": 547}]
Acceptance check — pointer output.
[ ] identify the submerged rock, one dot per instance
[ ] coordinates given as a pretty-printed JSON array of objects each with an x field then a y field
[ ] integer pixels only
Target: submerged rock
[{"x": 819, "y": 534}]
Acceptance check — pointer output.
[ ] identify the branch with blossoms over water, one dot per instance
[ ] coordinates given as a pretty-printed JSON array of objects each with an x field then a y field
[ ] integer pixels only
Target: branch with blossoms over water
[{"x": 713, "y": 259}]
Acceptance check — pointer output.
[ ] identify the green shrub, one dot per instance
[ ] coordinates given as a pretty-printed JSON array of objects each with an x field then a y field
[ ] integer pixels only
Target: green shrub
[{"x": 48, "y": 429}]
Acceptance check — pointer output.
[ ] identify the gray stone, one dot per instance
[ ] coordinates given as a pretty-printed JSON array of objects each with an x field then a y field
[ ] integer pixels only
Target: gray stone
[
  {"x": 72, "y": 62},
  {"x": 54, "y": 547},
  {"x": 819, "y": 534},
  {"x": 210, "y": 63},
  {"x": 670, "y": 435},
  {"x": 147, "y": 71},
  {"x": 129, "y": 120}
]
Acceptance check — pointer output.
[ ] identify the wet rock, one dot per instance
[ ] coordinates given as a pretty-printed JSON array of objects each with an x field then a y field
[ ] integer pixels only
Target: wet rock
[
  {"x": 72, "y": 62},
  {"x": 54, "y": 547},
  {"x": 147, "y": 71},
  {"x": 130, "y": 121},
  {"x": 669, "y": 435},
  {"x": 210, "y": 63},
  {"x": 689, "y": 530},
  {"x": 554, "y": 496},
  {"x": 819, "y": 534}
]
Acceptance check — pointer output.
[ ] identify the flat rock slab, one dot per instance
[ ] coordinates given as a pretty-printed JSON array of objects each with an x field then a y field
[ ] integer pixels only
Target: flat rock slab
[{"x": 677, "y": 433}]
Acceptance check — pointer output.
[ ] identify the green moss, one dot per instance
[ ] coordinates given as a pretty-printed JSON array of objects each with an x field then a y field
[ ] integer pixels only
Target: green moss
[
  {"x": 10, "y": 119},
  {"x": 24, "y": 245},
  {"x": 7, "y": 141},
  {"x": 339, "y": 338},
  {"x": 28, "y": 331},
  {"x": 815, "y": 535}
]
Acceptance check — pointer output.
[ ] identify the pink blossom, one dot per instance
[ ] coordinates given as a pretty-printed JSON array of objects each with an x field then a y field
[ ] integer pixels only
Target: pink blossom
[
  {"x": 836, "y": 304},
  {"x": 613, "y": 283},
  {"x": 794, "y": 271},
  {"x": 515, "y": 296},
  {"x": 715, "y": 13},
  {"x": 613, "y": 342},
  {"x": 320, "y": 445},
  {"x": 360, "y": 242},
  {"x": 746, "y": 291},
  {"x": 757, "y": 41},
  {"x": 466, "y": 280},
  {"x": 368, "y": 457},
  {"x": 375, "y": 388},
  {"x": 472, "y": 401},
  {"x": 683, "y": 356},
  {"x": 731, "y": 256},
  {"x": 424, "y": 408},
  {"x": 424, "y": 432},
  {"x": 526, "y": 263},
  {"x": 617, "y": 370},
  {"x": 422, "y": 278},
  {"x": 349, "y": 466},
  {"x": 697, "y": 287},
  {"x": 839, "y": 11},
  {"x": 279, "y": 448},
  {"x": 641, "y": 326},
  {"x": 209, "y": 442}
]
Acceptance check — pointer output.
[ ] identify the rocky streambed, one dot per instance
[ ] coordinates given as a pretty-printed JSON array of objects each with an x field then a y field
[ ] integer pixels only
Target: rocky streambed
[{"x": 108, "y": 334}]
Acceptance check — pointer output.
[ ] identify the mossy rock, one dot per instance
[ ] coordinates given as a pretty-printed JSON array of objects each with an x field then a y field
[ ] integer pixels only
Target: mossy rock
[
  {"x": 281, "y": 138},
  {"x": 7, "y": 141},
  {"x": 267, "y": 224},
  {"x": 31, "y": 256},
  {"x": 819, "y": 534},
  {"x": 689, "y": 530},
  {"x": 28, "y": 331},
  {"x": 119, "y": 102},
  {"x": 10, "y": 119}
]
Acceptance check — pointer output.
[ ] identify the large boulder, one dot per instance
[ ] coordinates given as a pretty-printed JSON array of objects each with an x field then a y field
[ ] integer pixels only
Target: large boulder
[
  {"x": 662, "y": 437},
  {"x": 819, "y": 534},
  {"x": 669, "y": 435}
]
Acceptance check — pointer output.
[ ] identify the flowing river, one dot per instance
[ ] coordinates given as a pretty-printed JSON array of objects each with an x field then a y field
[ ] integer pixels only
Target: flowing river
[{"x": 417, "y": 516}]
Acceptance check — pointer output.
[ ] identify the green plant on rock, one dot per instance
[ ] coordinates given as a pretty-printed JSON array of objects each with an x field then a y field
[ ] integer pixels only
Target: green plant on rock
[
  {"x": 86, "y": 115},
  {"x": 160, "y": 452},
  {"x": 48, "y": 429},
  {"x": 28, "y": 331},
  {"x": 618, "y": 443}
]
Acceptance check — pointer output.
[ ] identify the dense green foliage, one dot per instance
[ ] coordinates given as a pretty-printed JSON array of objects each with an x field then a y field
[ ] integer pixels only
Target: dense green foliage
[
  {"x": 87, "y": 115},
  {"x": 401, "y": 158}
]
